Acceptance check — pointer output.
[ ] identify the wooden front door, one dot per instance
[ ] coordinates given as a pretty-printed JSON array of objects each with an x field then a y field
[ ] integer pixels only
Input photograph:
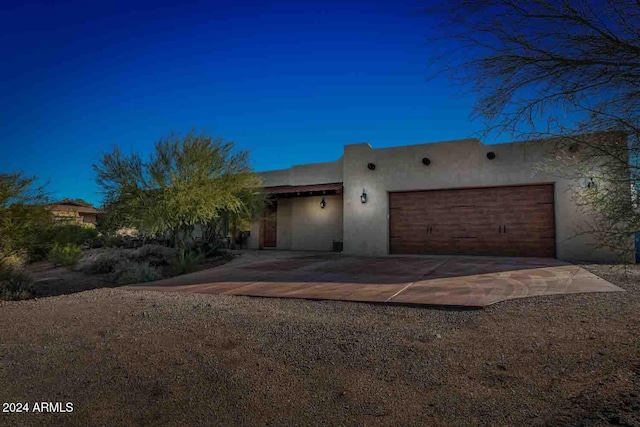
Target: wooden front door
[
  {"x": 270, "y": 226},
  {"x": 506, "y": 221}
]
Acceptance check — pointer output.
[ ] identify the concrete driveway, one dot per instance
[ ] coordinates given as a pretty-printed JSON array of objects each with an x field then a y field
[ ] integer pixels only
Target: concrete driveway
[{"x": 447, "y": 281}]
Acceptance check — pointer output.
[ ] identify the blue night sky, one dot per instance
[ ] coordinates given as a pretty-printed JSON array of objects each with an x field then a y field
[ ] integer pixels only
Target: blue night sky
[{"x": 292, "y": 81}]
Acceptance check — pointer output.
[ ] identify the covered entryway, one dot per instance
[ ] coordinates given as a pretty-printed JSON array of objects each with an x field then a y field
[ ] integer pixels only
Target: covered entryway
[
  {"x": 504, "y": 221},
  {"x": 303, "y": 217}
]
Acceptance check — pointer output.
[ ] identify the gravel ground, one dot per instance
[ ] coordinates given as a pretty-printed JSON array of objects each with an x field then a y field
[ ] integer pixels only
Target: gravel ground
[{"x": 139, "y": 358}]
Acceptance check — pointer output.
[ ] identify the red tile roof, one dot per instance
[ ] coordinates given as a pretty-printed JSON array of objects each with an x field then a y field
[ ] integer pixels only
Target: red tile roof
[{"x": 332, "y": 188}]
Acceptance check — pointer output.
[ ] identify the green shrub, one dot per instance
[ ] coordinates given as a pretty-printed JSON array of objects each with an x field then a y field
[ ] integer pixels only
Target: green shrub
[
  {"x": 26, "y": 229},
  {"x": 186, "y": 262},
  {"x": 212, "y": 249},
  {"x": 15, "y": 283},
  {"x": 128, "y": 273},
  {"x": 67, "y": 255},
  {"x": 74, "y": 234}
]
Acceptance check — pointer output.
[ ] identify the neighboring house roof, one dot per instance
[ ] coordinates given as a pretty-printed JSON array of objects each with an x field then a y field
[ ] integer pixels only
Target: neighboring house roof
[
  {"x": 67, "y": 205},
  {"x": 305, "y": 190},
  {"x": 73, "y": 202}
]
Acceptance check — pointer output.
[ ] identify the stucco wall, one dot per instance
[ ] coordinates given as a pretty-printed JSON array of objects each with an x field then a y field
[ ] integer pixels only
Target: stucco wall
[
  {"x": 89, "y": 219},
  {"x": 314, "y": 228},
  {"x": 253, "y": 241},
  {"x": 454, "y": 164},
  {"x": 315, "y": 173},
  {"x": 284, "y": 224}
]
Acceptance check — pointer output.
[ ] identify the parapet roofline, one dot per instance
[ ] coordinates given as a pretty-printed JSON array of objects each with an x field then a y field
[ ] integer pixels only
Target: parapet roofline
[{"x": 305, "y": 190}]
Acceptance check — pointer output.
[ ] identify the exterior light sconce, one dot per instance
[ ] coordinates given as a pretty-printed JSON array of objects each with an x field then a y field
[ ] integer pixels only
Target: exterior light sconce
[
  {"x": 491, "y": 155},
  {"x": 591, "y": 184},
  {"x": 426, "y": 161},
  {"x": 323, "y": 203},
  {"x": 363, "y": 196},
  {"x": 371, "y": 166}
]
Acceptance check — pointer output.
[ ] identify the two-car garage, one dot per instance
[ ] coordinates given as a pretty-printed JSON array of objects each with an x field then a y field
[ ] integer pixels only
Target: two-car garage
[{"x": 504, "y": 221}]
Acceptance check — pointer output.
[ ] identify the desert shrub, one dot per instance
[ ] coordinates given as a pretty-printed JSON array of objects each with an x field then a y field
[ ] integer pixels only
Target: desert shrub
[
  {"x": 212, "y": 249},
  {"x": 15, "y": 283},
  {"x": 17, "y": 259},
  {"x": 97, "y": 242},
  {"x": 26, "y": 229},
  {"x": 131, "y": 272},
  {"x": 154, "y": 254},
  {"x": 122, "y": 242},
  {"x": 101, "y": 261},
  {"x": 109, "y": 241},
  {"x": 74, "y": 234},
  {"x": 66, "y": 255},
  {"x": 186, "y": 262}
]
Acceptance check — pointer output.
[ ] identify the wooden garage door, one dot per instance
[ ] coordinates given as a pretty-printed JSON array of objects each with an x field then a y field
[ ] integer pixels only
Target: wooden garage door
[{"x": 507, "y": 221}]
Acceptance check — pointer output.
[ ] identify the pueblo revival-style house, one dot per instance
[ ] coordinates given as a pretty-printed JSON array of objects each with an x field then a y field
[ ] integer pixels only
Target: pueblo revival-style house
[
  {"x": 448, "y": 198},
  {"x": 76, "y": 212}
]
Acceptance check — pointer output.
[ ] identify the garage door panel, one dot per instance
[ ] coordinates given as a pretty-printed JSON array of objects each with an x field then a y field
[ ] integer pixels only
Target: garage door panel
[{"x": 514, "y": 221}]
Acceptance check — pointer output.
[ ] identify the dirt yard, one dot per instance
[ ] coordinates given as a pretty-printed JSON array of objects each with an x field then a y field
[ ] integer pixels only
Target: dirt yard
[{"x": 139, "y": 358}]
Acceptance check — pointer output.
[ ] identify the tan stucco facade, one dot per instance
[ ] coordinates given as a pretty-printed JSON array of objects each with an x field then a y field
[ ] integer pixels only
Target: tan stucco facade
[
  {"x": 364, "y": 227},
  {"x": 81, "y": 215}
]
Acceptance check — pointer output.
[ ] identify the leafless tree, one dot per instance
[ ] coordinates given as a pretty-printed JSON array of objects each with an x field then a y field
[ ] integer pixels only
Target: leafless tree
[{"x": 562, "y": 69}]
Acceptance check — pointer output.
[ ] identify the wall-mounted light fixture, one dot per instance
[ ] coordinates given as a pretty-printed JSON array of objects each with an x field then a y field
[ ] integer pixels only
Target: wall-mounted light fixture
[
  {"x": 371, "y": 166},
  {"x": 591, "y": 184},
  {"x": 491, "y": 155},
  {"x": 426, "y": 161},
  {"x": 323, "y": 203},
  {"x": 363, "y": 196}
]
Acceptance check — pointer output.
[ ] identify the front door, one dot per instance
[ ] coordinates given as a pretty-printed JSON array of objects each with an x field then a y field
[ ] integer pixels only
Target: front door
[{"x": 270, "y": 226}]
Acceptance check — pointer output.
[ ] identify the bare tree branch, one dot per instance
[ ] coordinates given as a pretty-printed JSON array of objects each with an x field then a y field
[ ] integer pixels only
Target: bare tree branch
[{"x": 568, "y": 70}]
